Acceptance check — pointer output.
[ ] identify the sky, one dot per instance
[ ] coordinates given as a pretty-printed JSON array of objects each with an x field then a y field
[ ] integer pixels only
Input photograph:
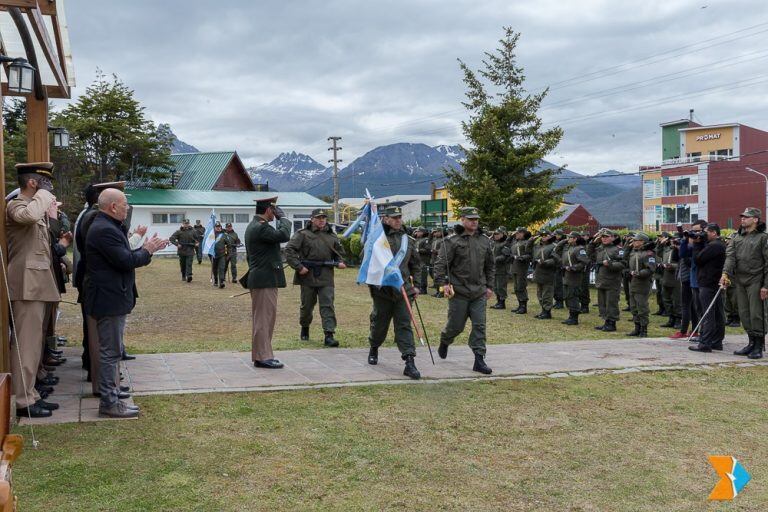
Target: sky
[{"x": 267, "y": 77}]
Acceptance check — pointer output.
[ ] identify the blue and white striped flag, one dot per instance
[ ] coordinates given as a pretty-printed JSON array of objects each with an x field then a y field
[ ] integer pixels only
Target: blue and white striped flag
[{"x": 209, "y": 238}]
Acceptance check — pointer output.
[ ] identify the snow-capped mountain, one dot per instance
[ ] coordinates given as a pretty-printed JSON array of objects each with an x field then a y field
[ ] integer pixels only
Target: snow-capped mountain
[
  {"x": 289, "y": 171},
  {"x": 454, "y": 151}
]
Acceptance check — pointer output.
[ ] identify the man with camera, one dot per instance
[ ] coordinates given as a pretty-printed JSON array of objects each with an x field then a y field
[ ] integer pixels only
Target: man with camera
[{"x": 709, "y": 267}]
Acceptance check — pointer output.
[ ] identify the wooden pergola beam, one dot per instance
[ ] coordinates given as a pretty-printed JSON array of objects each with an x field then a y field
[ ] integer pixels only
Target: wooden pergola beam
[
  {"x": 47, "y": 7},
  {"x": 38, "y": 25},
  {"x": 52, "y": 91}
]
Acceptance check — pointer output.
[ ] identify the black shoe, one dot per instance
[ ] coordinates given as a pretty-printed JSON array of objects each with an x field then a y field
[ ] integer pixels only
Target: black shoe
[
  {"x": 601, "y": 327},
  {"x": 442, "y": 350},
  {"x": 47, "y": 405},
  {"x": 123, "y": 395},
  {"x": 522, "y": 309},
  {"x": 734, "y": 322},
  {"x": 757, "y": 351},
  {"x": 373, "y": 355},
  {"x": 127, "y": 357},
  {"x": 610, "y": 326},
  {"x": 573, "y": 319},
  {"x": 558, "y": 305},
  {"x": 44, "y": 394},
  {"x": 330, "y": 341},
  {"x": 410, "y": 368},
  {"x": 700, "y": 347},
  {"x": 272, "y": 364},
  {"x": 234, "y": 281},
  {"x": 57, "y": 353},
  {"x": 643, "y": 331},
  {"x": 480, "y": 365},
  {"x": 544, "y": 315},
  {"x": 125, "y": 389},
  {"x": 636, "y": 331},
  {"x": 500, "y": 304},
  {"x": 748, "y": 349},
  {"x": 717, "y": 346},
  {"x": 304, "y": 336},
  {"x": 189, "y": 279},
  {"x": 221, "y": 285},
  {"x": 47, "y": 390},
  {"x": 49, "y": 380},
  {"x": 33, "y": 411}
]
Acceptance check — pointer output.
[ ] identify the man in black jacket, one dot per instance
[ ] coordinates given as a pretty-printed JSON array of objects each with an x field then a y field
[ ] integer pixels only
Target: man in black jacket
[
  {"x": 110, "y": 285},
  {"x": 709, "y": 267}
]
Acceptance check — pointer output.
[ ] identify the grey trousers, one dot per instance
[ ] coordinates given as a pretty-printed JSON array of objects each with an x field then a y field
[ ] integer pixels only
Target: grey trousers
[{"x": 111, "y": 330}]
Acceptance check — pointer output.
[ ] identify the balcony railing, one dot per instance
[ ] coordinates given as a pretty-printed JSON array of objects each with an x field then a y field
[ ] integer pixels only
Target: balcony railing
[{"x": 696, "y": 159}]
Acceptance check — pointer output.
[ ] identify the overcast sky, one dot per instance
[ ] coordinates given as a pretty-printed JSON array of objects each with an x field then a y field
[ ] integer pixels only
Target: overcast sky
[{"x": 271, "y": 76}]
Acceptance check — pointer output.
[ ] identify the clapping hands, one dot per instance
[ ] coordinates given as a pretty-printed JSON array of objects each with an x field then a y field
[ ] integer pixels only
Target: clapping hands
[{"x": 154, "y": 244}]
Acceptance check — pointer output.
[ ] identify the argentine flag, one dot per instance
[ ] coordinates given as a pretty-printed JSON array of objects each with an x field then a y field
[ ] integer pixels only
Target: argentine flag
[
  {"x": 379, "y": 267},
  {"x": 209, "y": 238}
]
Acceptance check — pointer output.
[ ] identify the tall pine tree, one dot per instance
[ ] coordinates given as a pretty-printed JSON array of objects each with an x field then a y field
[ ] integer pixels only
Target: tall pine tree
[{"x": 501, "y": 175}]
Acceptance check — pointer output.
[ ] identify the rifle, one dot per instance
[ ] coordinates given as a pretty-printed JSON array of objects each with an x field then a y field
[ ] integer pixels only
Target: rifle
[{"x": 316, "y": 266}]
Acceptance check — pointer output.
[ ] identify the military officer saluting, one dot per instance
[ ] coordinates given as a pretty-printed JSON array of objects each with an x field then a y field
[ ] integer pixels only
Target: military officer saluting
[
  {"x": 574, "y": 260},
  {"x": 389, "y": 304},
  {"x": 500, "y": 251},
  {"x": 185, "y": 240},
  {"x": 465, "y": 270},
  {"x": 520, "y": 254},
  {"x": 314, "y": 252},
  {"x": 609, "y": 258},
  {"x": 746, "y": 267},
  {"x": 642, "y": 269},
  {"x": 545, "y": 266}
]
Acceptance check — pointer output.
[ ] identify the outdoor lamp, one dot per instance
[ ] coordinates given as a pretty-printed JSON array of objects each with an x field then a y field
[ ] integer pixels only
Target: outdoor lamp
[
  {"x": 21, "y": 75},
  {"x": 60, "y": 137}
]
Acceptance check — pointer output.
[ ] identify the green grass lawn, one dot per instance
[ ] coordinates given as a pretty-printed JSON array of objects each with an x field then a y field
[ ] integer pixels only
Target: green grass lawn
[
  {"x": 634, "y": 442},
  {"x": 172, "y": 316}
]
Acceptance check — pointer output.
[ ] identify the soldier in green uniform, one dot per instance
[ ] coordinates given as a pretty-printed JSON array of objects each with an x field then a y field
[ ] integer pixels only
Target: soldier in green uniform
[
  {"x": 642, "y": 269},
  {"x": 670, "y": 286},
  {"x": 185, "y": 240},
  {"x": 731, "y": 304},
  {"x": 219, "y": 258},
  {"x": 560, "y": 243},
  {"x": 626, "y": 245},
  {"x": 314, "y": 252},
  {"x": 658, "y": 276},
  {"x": 500, "y": 251},
  {"x": 610, "y": 259},
  {"x": 424, "y": 248},
  {"x": 438, "y": 237},
  {"x": 545, "y": 265},
  {"x": 746, "y": 267},
  {"x": 520, "y": 255},
  {"x": 465, "y": 269},
  {"x": 234, "y": 243},
  {"x": 389, "y": 304},
  {"x": 574, "y": 258},
  {"x": 584, "y": 297},
  {"x": 200, "y": 234}
]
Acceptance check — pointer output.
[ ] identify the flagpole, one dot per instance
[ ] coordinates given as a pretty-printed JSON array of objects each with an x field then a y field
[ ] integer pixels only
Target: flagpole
[{"x": 415, "y": 325}]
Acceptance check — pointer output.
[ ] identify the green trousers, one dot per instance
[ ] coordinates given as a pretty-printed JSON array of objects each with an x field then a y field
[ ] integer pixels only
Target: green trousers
[
  {"x": 219, "y": 269},
  {"x": 500, "y": 282},
  {"x": 311, "y": 295},
  {"x": 751, "y": 308},
  {"x": 572, "y": 297},
  {"x": 731, "y": 304},
  {"x": 520, "y": 282},
  {"x": 584, "y": 289},
  {"x": 385, "y": 311},
  {"x": 459, "y": 310},
  {"x": 424, "y": 276},
  {"x": 559, "y": 285},
  {"x": 671, "y": 297},
  {"x": 232, "y": 264},
  {"x": 545, "y": 292},
  {"x": 185, "y": 263},
  {"x": 638, "y": 304},
  {"x": 608, "y": 302}
]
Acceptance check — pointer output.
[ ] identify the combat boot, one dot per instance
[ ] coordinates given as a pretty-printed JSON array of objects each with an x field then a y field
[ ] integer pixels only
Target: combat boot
[
  {"x": 500, "y": 304},
  {"x": 558, "y": 305},
  {"x": 610, "y": 326},
  {"x": 373, "y": 355},
  {"x": 304, "y": 336},
  {"x": 573, "y": 318},
  {"x": 670, "y": 322},
  {"x": 735, "y": 322},
  {"x": 757, "y": 352},
  {"x": 522, "y": 309},
  {"x": 442, "y": 350},
  {"x": 636, "y": 331},
  {"x": 643, "y": 331},
  {"x": 480, "y": 365},
  {"x": 602, "y": 327},
  {"x": 410, "y": 368},
  {"x": 544, "y": 315},
  {"x": 748, "y": 349},
  {"x": 330, "y": 341}
]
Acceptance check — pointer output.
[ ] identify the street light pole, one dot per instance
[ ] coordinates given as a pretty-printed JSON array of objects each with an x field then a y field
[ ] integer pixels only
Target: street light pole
[{"x": 766, "y": 186}]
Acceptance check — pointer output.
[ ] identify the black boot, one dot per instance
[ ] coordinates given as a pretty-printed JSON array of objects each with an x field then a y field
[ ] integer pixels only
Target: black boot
[
  {"x": 442, "y": 350},
  {"x": 748, "y": 349},
  {"x": 670, "y": 322},
  {"x": 500, "y": 304},
  {"x": 573, "y": 318},
  {"x": 700, "y": 347},
  {"x": 304, "y": 333},
  {"x": 480, "y": 365},
  {"x": 610, "y": 326},
  {"x": 757, "y": 352},
  {"x": 643, "y": 331},
  {"x": 636, "y": 331},
  {"x": 678, "y": 323},
  {"x": 602, "y": 327},
  {"x": 330, "y": 341},
  {"x": 735, "y": 321},
  {"x": 558, "y": 305},
  {"x": 522, "y": 308},
  {"x": 410, "y": 368},
  {"x": 584, "y": 310},
  {"x": 373, "y": 355},
  {"x": 544, "y": 315}
]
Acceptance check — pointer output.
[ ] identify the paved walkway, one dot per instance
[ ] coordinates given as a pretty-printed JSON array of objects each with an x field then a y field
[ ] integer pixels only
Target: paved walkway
[{"x": 211, "y": 372}]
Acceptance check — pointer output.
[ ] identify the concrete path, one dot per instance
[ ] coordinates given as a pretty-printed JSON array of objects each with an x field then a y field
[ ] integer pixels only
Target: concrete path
[{"x": 211, "y": 372}]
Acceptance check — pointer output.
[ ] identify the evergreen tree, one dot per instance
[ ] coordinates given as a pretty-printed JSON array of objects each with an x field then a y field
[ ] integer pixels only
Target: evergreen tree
[{"x": 501, "y": 175}]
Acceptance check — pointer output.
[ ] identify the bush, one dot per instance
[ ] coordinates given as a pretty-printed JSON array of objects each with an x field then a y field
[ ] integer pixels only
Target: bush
[{"x": 353, "y": 247}]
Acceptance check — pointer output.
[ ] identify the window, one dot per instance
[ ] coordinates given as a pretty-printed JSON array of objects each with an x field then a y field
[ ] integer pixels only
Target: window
[
  {"x": 683, "y": 213},
  {"x": 651, "y": 216},
  {"x": 652, "y": 189},
  {"x": 227, "y": 217},
  {"x": 167, "y": 218},
  {"x": 242, "y": 218},
  {"x": 669, "y": 215},
  {"x": 683, "y": 187},
  {"x": 722, "y": 153},
  {"x": 694, "y": 156},
  {"x": 175, "y": 218},
  {"x": 694, "y": 185},
  {"x": 669, "y": 187}
]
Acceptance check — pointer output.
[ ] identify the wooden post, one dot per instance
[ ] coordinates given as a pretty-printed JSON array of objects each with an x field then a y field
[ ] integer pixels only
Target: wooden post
[
  {"x": 5, "y": 343},
  {"x": 38, "y": 149}
]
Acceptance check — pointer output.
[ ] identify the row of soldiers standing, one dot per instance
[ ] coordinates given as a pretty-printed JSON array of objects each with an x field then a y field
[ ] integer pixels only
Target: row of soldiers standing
[{"x": 188, "y": 240}]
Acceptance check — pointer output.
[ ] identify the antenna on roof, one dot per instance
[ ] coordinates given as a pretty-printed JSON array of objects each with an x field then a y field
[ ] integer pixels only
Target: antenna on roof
[{"x": 690, "y": 115}]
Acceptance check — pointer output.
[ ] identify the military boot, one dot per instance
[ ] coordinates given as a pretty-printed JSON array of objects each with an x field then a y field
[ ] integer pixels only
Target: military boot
[
  {"x": 373, "y": 355},
  {"x": 558, "y": 305},
  {"x": 636, "y": 331},
  {"x": 748, "y": 349},
  {"x": 500, "y": 304},
  {"x": 522, "y": 309},
  {"x": 670, "y": 322},
  {"x": 544, "y": 315},
  {"x": 304, "y": 333},
  {"x": 330, "y": 341},
  {"x": 410, "y": 368},
  {"x": 734, "y": 322},
  {"x": 584, "y": 310},
  {"x": 602, "y": 327},
  {"x": 573, "y": 318},
  {"x": 643, "y": 331},
  {"x": 480, "y": 365},
  {"x": 442, "y": 350},
  {"x": 610, "y": 326},
  {"x": 757, "y": 352}
]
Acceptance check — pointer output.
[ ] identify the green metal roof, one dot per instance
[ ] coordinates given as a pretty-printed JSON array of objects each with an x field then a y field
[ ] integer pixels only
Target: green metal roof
[
  {"x": 175, "y": 197},
  {"x": 200, "y": 171}
]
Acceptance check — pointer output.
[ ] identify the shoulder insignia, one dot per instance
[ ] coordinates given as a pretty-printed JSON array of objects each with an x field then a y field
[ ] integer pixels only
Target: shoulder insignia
[
  {"x": 582, "y": 252},
  {"x": 651, "y": 260},
  {"x": 621, "y": 252}
]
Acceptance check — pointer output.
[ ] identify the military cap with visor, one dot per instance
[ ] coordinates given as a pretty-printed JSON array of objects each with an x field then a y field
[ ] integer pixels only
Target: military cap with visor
[
  {"x": 751, "y": 212},
  {"x": 319, "y": 212},
  {"x": 469, "y": 212},
  {"x": 41, "y": 168},
  {"x": 393, "y": 211}
]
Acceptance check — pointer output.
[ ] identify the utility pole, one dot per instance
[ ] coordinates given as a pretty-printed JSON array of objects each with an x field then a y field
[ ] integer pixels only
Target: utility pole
[{"x": 336, "y": 161}]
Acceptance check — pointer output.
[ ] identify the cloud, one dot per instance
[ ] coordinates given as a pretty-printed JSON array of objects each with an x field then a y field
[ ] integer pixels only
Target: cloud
[{"x": 270, "y": 76}]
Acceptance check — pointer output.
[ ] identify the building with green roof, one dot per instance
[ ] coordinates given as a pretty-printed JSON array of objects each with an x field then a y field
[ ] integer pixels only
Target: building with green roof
[{"x": 213, "y": 170}]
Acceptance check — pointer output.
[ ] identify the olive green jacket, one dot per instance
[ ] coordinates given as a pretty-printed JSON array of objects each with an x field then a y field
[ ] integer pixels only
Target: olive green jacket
[
  {"x": 545, "y": 263},
  {"x": 520, "y": 254},
  {"x": 574, "y": 260},
  {"x": 424, "y": 248},
  {"x": 185, "y": 240},
  {"x": 642, "y": 267},
  {"x": 234, "y": 241},
  {"x": 610, "y": 274},
  {"x": 746, "y": 257},
  {"x": 317, "y": 246},
  {"x": 470, "y": 261},
  {"x": 669, "y": 262},
  {"x": 262, "y": 247}
]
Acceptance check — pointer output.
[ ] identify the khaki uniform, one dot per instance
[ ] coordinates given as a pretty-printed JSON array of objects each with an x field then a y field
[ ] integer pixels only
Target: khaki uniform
[
  {"x": 32, "y": 285},
  {"x": 608, "y": 280},
  {"x": 746, "y": 263},
  {"x": 642, "y": 268},
  {"x": 316, "y": 250},
  {"x": 546, "y": 266}
]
